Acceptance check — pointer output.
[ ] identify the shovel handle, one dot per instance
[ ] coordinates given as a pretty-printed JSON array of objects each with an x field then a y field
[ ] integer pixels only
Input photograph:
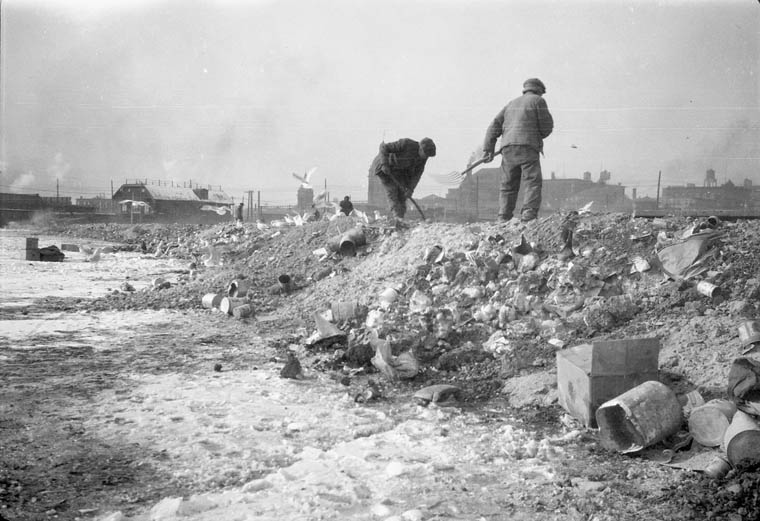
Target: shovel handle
[
  {"x": 398, "y": 183},
  {"x": 476, "y": 163}
]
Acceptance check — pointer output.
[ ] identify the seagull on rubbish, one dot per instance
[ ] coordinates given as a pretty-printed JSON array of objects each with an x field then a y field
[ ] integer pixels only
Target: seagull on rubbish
[
  {"x": 261, "y": 225},
  {"x": 320, "y": 198},
  {"x": 361, "y": 215},
  {"x": 306, "y": 179},
  {"x": 336, "y": 207},
  {"x": 586, "y": 208},
  {"x": 95, "y": 257}
]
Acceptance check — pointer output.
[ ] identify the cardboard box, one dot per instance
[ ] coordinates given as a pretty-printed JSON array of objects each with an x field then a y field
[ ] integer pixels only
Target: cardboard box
[{"x": 590, "y": 374}]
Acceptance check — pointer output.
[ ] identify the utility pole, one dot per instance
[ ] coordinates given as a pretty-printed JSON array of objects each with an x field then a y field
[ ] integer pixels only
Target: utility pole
[
  {"x": 111, "y": 188},
  {"x": 258, "y": 194},
  {"x": 657, "y": 203},
  {"x": 249, "y": 212},
  {"x": 57, "y": 194}
]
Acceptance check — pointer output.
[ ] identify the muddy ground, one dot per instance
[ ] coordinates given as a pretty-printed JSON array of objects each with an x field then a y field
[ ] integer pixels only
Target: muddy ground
[{"x": 121, "y": 400}]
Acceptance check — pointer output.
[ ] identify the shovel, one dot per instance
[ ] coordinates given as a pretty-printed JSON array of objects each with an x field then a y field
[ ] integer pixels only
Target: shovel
[
  {"x": 453, "y": 178},
  {"x": 408, "y": 197}
]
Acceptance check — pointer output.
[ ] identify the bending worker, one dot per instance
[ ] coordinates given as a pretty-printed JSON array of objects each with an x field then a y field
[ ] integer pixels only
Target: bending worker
[
  {"x": 399, "y": 165},
  {"x": 523, "y": 125},
  {"x": 346, "y": 206}
]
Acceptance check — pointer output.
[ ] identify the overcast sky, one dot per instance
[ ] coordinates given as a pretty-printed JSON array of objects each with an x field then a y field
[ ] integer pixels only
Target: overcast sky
[{"x": 242, "y": 94}]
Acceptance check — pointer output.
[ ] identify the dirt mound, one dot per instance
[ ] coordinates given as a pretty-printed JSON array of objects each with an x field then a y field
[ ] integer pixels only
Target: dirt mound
[{"x": 480, "y": 299}]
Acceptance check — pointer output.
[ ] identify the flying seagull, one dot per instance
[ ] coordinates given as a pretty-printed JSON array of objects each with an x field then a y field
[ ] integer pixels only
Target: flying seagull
[
  {"x": 221, "y": 210},
  {"x": 306, "y": 179}
]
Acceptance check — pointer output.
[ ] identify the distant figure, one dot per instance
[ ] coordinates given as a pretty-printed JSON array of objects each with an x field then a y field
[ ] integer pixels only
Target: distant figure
[
  {"x": 312, "y": 215},
  {"x": 523, "y": 125},
  {"x": 399, "y": 165},
  {"x": 346, "y": 206},
  {"x": 239, "y": 213}
]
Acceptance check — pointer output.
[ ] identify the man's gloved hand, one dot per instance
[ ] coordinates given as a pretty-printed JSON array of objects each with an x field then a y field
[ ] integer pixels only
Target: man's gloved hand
[{"x": 487, "y": 156}]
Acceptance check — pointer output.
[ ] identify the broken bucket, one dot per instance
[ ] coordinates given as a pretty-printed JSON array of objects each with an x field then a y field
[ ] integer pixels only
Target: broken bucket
[
  {"x": 351, "y": 240},
  {"x": 638, "y": 418}
]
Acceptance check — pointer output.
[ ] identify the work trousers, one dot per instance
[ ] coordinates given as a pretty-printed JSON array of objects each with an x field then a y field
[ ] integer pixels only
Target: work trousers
[
  {"x": 520, "y": 163},
  {"x": 396, "y": 197}
]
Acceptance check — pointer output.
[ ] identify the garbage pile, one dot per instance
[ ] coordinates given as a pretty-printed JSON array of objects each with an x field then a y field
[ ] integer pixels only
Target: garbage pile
[
  {"x": 505, "y": 295},
  {"x": 456, "y": 295}
]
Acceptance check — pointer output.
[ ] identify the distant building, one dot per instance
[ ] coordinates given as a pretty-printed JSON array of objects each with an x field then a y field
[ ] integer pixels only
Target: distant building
[
  {"x": 172, "y": 203},
  {"x": 305, "y": 198},
  {"x": 478, "y": 195},
  {"x": 100, "y": 204},
  {"x": 725, "y": 198},
  {"x": 20, "y": 207}
]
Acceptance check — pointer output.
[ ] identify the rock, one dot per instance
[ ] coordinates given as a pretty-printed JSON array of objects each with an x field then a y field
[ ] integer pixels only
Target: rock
[
  {"x": 295, "y": 427},
  {"x": 292, "y": 368},
  {"x": 738, "y": 307},
  {"x": 395, "y": 469},
  {"x": 195, "y": 505},
  {"x": 359, "y": 354},
  {"x": 380, "y": 510},
  {"x": 413, "y": 515},
  {"x": 436, "y": 393},
  {"x": 257, "y": 485},
  {"x": 165, "y": 509}
]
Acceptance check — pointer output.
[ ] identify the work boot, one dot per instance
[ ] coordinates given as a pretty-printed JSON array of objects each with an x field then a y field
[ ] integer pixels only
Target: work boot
[
  {"x": 503, "y": 219},
  {"x": 400, "y": 224},
  {"x": 528, "y": 215}
]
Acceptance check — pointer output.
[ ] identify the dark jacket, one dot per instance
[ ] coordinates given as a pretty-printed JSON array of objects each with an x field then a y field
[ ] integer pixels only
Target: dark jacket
[
  {"x": 401, "y": 159},
  {"x": 346, "y": 206},
  {"x": 524, "y": 121}
]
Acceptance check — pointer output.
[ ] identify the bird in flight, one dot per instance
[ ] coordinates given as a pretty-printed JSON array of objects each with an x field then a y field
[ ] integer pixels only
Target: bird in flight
[
  {"x": 221, "y": 210},
  {"x": 306, "y": 178}
]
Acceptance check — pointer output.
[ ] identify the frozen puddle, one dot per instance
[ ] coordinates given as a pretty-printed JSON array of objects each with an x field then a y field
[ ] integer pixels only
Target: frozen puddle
[
  {"x": 23, "y": 281},
  {"x": 96, "y": 329}
]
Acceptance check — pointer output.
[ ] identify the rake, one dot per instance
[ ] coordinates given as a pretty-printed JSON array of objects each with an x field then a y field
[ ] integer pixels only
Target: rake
[{"x": 454, "y": 178}]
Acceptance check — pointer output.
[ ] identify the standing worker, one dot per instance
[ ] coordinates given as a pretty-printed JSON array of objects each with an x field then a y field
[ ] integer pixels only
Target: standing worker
[
  {"x": 346, "y": 206},
  {"x": 399, "y": 165},
  {"x": 239, "y": 213},
  {"x": 523, "y": 125}
]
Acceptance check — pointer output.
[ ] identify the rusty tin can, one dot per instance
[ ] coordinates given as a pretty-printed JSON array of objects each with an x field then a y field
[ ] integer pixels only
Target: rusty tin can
[{"x": 718, "y": 467}]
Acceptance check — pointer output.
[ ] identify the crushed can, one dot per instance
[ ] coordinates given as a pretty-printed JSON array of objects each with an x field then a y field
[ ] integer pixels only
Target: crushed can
[{"x": 749, "y": 332}]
